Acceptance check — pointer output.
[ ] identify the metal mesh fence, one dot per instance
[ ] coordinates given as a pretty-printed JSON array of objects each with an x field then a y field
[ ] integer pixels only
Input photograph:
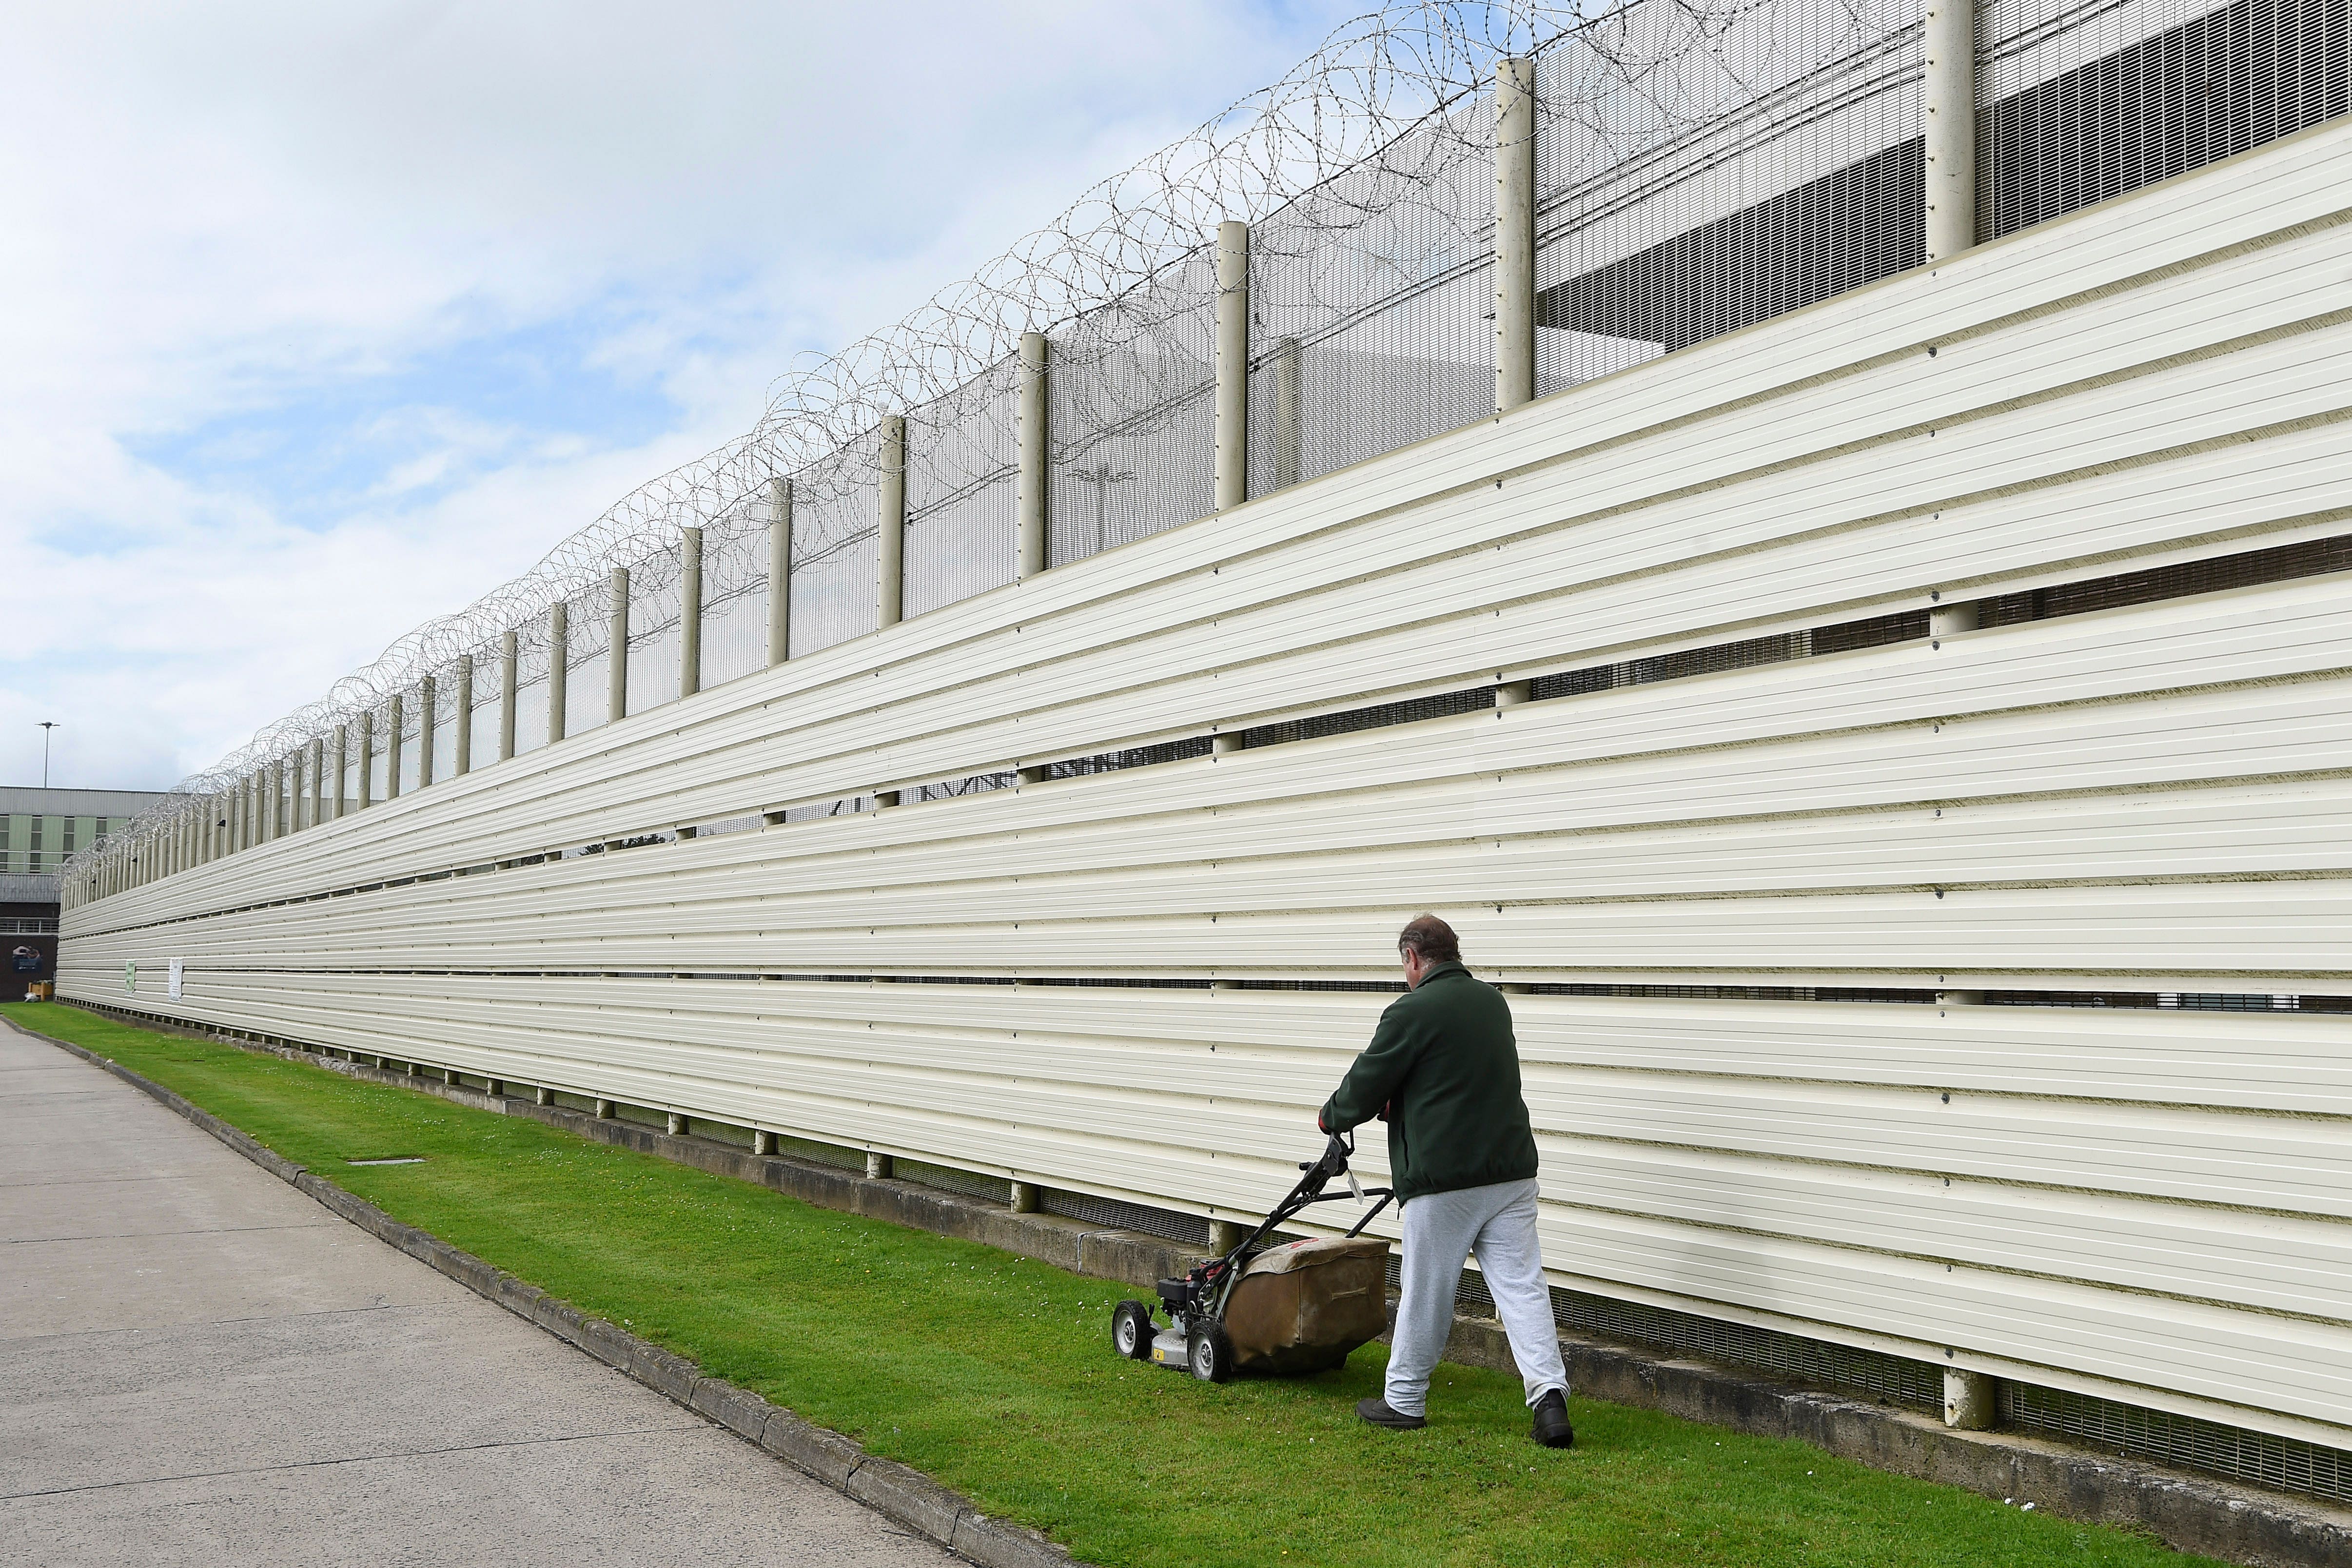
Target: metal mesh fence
[
  {"x": 735, "y": 586},
  {"x": 444, "y": 727},
  {"x": 490, "y": 698},
  {"x": 531, "y": 666},
  {"x": 655, "y": 630},
  {"x": 2183, "y": 1442},
  {"x": 1132, "y": 414},
  {"x": 1776, "y": 164},
  {"x": 834, "y": 508},
  {"x": 947, "y": 1178},
  {"x": 1371, "y": 304},
  {"x": 961, "y": 465},
  {"x": 2080, "y": 101},
  {"x": 411, "y": 751},
  {"x": 1700, "y": 165}
]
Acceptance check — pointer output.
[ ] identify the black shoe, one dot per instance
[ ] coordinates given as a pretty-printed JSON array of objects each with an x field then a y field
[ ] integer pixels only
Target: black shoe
[
  {"x": 1378, "y": 1413},
  {"x": 1552, "y": 1428}
]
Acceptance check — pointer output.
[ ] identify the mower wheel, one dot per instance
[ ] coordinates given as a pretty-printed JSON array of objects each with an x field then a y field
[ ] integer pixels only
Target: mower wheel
[
  {"x": 1211, "y": 1353},
  {"x": 1131, "y": 1330}
]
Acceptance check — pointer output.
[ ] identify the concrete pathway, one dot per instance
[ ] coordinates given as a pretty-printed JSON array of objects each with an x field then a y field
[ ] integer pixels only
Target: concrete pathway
[{"x": 198, "y": 1364}]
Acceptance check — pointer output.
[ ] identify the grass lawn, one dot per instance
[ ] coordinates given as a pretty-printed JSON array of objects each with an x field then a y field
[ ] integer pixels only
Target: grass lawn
[{"x": 994, "y": 1373}]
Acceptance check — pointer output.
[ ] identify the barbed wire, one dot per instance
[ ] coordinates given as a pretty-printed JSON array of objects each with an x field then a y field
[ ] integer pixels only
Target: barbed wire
[{"x": 1387, "y": 92}]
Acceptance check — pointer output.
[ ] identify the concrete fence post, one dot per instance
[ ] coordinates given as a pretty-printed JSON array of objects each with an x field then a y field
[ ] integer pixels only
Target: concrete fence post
[
  {"x": 616, "y": 656},
  {"x": 1024, "y": 1197},
  {"x": 542, "y": 1095},
  {"x": 890, "y": 553},
  {"x": 606, "y": 1111},
  {"x": 1287, "y": 412},
  {"x": 1945, "y": 619},
  {"x": 780, "y": 571},
  {"x": 510, "y": 658},
  {"x": 1511, "y": 693},
  {"x": 1232, "y": 363},
  {"x": 1971, "y": 1400},
  {"x": 318, "y": 780},
  {"x": 1951, "y": 97},
  {"x": 690, "y": 611},
  {"x": 1034, "y": 474},
  {"x": 396, "y": 725},
  {"x": 676, "y": 1126},
  {"x": 1515, "y": 232},
  {"x": 1224, "y": 1235},
  {"x": 395, "y": 720},
  {"x": 367, "y": 762},
  {"x": 879, "y": 1167},
  {"x": 559, "y": 672},
  {"x": 428, "y": 718},
  {"x": 462, "y": 761},
  {"x": 342, "y": 764}
]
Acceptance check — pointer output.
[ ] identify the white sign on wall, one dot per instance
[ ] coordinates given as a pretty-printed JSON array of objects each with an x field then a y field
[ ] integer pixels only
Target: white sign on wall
[
  {"x": 179, "y": 973},
  {"x": 130, "y": 976}
]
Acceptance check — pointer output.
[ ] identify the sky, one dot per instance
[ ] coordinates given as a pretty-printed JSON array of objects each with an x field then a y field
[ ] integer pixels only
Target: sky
[{"x": 324, "y": 320}]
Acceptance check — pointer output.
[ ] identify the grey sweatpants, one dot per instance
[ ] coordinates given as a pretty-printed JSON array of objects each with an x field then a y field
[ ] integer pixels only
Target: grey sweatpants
[{"x": 1441, "y": 1229}]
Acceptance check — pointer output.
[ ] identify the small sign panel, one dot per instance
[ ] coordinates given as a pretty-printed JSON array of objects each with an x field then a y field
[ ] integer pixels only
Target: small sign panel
[{"x": 179, "y": 977}]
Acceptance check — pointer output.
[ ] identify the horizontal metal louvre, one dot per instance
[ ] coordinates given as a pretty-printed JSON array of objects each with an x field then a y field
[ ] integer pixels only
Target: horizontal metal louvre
[{"x": 1728, "y": 886}]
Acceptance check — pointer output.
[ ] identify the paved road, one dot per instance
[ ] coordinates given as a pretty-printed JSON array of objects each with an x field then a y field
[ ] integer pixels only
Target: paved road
[{"x": 198, "y": 1364}]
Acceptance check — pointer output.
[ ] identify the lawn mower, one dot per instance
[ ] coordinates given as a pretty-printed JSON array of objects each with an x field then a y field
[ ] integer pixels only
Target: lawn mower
[{"x": 1280, "y": 1307}]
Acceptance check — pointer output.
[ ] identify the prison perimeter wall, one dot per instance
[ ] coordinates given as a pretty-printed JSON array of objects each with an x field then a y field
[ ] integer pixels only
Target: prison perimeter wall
[{"x": 1798, "y": 722}]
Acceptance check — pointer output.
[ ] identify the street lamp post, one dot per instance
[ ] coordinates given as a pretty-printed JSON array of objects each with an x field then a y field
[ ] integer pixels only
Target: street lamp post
[{"x": 47, "y": 725}]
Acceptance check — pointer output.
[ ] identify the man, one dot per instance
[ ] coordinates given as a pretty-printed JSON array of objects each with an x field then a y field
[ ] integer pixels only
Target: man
[{"x": 1442, "y": 1070}]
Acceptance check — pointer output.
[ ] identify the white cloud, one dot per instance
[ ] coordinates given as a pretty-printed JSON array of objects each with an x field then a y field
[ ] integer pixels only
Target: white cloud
[{"x": 329, "y": 318}]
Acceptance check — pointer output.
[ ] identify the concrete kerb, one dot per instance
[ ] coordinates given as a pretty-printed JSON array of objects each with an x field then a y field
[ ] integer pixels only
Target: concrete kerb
[
  {"x": 2190, "y": 1513},
  {"x": 905, "y": 1496}
]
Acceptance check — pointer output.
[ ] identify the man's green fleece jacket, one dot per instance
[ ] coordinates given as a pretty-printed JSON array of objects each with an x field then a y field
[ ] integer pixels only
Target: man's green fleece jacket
[{"x": 1446, "y": 1065}]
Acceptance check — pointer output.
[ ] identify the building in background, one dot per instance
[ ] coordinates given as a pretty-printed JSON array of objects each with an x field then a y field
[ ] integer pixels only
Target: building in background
[{"x": 39, "y": 828}]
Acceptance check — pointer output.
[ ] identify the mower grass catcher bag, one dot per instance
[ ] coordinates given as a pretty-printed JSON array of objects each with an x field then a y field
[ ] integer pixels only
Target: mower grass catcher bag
[{"x": 1303, "y": 1306}]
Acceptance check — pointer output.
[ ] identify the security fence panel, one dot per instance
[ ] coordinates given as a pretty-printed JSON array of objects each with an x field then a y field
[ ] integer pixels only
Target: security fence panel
[
  {"x": 2078, "y": 102},
  {"x": 735, "y": 587},
  {"x": 588, "y": 643},
  {"x": 533, "y": 666},
  {"x": 1372, "y": 301},
  {"x": 489, "y": 705},
  {"x": 960, "y": 470},
  {"x": 1132, "y": 414},
  {"x": 654, "y": 629},
  {"x": 1683, "y": 192},
  {"x": 834, "y": 512}
]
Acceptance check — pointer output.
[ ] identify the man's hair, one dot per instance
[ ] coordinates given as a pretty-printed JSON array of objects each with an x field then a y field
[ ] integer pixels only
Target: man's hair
[{"x": 1432, "y": 938}]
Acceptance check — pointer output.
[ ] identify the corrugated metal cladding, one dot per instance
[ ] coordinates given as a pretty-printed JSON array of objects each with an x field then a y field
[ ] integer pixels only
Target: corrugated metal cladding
[{"x": 2122, "y": 791}]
